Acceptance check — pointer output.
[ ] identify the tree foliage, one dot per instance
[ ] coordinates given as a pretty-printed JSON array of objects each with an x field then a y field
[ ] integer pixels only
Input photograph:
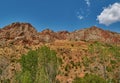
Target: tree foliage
[
  {"x": 38, "y": 66},
  {"x": 49, "y": 63},
  {"x": 29, "y": 63},
  {"x": 108, "y": 56}
]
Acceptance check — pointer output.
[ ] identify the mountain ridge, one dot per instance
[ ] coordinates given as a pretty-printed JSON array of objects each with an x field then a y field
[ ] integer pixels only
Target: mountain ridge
[{"x": 22, "y": 33}]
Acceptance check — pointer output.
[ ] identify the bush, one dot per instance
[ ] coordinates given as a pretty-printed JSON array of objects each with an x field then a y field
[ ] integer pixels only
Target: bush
[
  {"x": 0, "y": 71},
  {"x": 89, "y": 79}
]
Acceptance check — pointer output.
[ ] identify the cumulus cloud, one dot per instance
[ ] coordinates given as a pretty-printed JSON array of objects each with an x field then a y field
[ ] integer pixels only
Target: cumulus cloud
[
  {"x": 110, "y": 15},
  {"x": 87, "y": 2}
]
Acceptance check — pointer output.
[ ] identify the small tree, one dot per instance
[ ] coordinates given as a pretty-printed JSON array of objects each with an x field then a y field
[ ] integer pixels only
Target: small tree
[
  {"x": 49, "y": 61},
  {"x": 39, "y": 66},
  {"x": 29, "y": 65}
]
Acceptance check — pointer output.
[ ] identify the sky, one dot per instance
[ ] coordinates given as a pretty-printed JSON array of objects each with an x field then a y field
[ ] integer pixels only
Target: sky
[{"x": 61, "y": 15}]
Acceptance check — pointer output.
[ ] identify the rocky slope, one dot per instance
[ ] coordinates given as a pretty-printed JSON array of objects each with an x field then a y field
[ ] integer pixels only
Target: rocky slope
[
  {"x": 18, "y": 33},
  {"x": 95, "y": 34},
  {"x": 72, "y": 47},
  {"x": 21, "y": 33}
]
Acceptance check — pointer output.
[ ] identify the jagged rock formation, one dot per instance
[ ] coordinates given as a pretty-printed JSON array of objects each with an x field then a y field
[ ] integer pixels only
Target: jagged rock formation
[
  {"x": 95, "y": 34},
  {"x": 18, "y": 33},
  {"x": 25, "y": 33},
  {"x": 50, "y": 36}
]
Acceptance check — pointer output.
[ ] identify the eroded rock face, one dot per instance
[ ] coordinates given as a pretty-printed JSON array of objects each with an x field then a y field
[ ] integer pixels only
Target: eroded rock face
[
  {"x": 95, "y": 34},
  {"x": 50, "y": 36},
  {"x": 18, "y": 33},
  {"x": 25, "y": 33},
  {"x": 18, "y": 29}
]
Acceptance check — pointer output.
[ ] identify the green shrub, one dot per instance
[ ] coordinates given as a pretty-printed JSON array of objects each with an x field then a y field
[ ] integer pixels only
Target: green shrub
[
  {"x": 89, "y": 79},
  {"x": 6, "y": 81},
  {"x": 0, "y": 71},
  {"x": 109, "y": 69}
]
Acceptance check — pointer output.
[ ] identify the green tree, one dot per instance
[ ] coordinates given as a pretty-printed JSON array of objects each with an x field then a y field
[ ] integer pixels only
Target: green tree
[
  {"x": 40, "y": 66},
  {"x": 100, "y": 51},
  {"x": 108, "y": 56},
  {"x": 25, "y": 77},
  {"x": 48, "y": 60},
  {"x": 29, "y": 63}
]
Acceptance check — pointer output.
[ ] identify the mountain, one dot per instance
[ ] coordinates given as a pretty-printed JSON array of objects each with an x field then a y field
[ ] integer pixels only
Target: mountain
[
  {"x": 95, "y": 34},
  {"x": 82, "y": 52},
  {"x": 17, "y": 33},
  {"x": 25, "y": 33}
]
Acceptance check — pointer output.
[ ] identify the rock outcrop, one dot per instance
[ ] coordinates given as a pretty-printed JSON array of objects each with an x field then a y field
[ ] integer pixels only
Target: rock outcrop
[
  {"x": 95, "y": 34},
  {"x": 18, "y": 33}
]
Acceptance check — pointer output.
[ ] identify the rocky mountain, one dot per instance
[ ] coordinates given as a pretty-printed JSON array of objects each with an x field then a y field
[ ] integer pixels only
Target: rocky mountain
[
  {"x": 81, "y": 52},
  {"x": 17, "y": 33},
  {"x": 95, "y": 34},
  {"x": 50, "y": 36},
  {"x": 25, "y": 33}
]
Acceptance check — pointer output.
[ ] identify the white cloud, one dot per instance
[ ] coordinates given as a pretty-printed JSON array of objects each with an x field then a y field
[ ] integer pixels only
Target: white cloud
[
  {"x": 80, "y": 17},
  {"x": 110, "y": 15},
  {"x": 87, "y": 2}
]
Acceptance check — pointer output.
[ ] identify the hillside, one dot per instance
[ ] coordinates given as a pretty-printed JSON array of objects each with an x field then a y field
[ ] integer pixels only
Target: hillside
[
  {"x": 88, "y": 51},
  {"x": 20, "y": 33}
]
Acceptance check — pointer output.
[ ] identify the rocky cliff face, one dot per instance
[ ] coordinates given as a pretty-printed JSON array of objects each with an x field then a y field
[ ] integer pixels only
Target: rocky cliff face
[
  {"x": 25, "y": 33},
  {"x": 18, "y": 33},
  {"x": 95, "y": 34}
]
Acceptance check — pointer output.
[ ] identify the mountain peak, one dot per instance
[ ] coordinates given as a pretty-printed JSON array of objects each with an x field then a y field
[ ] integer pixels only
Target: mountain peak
[
  {"x": 47, "y": 31},
  {"x": 20, "y": 23},
  {"x": 95, "y": 28},
  {"x": 20, "y": 26},
  {"x": 95, "y": 34},
  {"x": 18, "y": 32}
]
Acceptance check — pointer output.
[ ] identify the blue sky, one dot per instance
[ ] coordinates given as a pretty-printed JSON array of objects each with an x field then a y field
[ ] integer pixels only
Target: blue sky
[{"x": 62, "y": 14}]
